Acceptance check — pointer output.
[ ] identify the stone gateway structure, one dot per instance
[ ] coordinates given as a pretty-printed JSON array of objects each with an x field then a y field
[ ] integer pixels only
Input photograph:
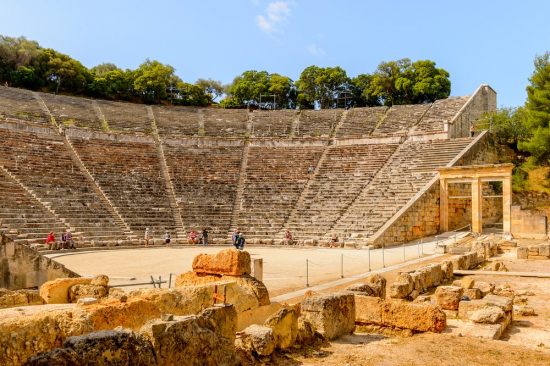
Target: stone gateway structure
[{"x": 476, "y": 175}]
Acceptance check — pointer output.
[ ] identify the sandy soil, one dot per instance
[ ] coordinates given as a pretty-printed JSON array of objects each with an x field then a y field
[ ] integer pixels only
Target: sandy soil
[{"x": 284, "y": 268}]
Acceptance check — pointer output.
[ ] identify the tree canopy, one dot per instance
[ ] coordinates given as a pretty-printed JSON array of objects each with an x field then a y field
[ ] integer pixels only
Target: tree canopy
[
  {"x": 538, "y": 111},
  {"x": 23, "y": 63}
]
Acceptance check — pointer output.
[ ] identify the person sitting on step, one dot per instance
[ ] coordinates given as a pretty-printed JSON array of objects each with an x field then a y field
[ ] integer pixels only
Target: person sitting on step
[
  {"x": 288, "y": 238},
  {"x": 193, "y": 237},
  {"x": 50, "y": 241}
]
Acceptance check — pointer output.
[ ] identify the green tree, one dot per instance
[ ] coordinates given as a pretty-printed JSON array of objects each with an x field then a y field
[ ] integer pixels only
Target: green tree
[
  {"x": 428, "y": 82},
  {"x": 212, "y": 88},
  {"x": 247, "y": 87},
  {"x": 507, "y": 124},
  {"x": 362, "y": 92},
  {"x": 152, "y": 79},
  {"x": 283, "y": 89},
  {"x": 404, "y": 82},
  {"x": 63, "y": 72},
  {"x": 538, "y": 110},
  {"x": 321, "y": 86}
]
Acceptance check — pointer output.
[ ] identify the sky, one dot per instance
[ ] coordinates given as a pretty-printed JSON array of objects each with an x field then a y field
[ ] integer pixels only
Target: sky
[{"x": 479, "y": 42}]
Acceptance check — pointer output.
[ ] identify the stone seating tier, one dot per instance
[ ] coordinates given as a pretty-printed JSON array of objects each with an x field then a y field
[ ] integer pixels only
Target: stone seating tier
[
  {"x": 406, "y": 173},
  {"x": 441, "y": 111},
  {"x": 125, "y": 117},
  {"x": 273, "y": 123},
  {"x": 343, "y": 174},
  {"x": 130, "y": 175},
  {"x": 72, "y": 111},
  {"x": 274, "y": 179},
  {"x": 225, "y": 122},
  {"x": 361, "y": 122},
  {"x": 43, "y": 163},
  {"x": 400, "y": 119},
  {"x": 177, "y": 121},
  {"x": 205, "y": 184},
  {"x": 319, "y": 123},
  {"x": 20, "y": 105},
  {"x": 22, "y": 217}
]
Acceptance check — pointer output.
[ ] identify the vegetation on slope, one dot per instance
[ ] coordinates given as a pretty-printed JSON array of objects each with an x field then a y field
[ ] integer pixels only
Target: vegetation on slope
[{"x": 527, "y": 130}]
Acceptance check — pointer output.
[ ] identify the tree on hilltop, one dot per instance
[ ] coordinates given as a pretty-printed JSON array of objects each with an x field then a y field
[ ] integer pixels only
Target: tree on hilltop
[
  {"x": 152, "y": 79},
  {"x": 321, "y": 86},
  {"x": 538, "y": 111}
]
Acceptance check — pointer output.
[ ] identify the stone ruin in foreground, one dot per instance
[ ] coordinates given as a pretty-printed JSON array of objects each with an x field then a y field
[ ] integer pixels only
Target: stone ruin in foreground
[{"x": 218, "y": 314}]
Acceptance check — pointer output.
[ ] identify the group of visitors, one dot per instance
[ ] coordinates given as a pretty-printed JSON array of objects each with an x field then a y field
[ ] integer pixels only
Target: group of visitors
[
  {"x": 194, "y": 238},
  {"x": 67, "y": 241}
]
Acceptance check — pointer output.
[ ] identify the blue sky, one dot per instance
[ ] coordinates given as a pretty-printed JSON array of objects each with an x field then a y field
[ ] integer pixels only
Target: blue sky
[{"x": 489, "y": 41}]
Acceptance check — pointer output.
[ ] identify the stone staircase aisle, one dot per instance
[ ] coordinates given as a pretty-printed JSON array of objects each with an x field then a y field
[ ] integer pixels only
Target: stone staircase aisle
[
  {"x": 240, "y": 187},
  {"x": 180, "y": 229},
  {"x": 119, "y": 221}
]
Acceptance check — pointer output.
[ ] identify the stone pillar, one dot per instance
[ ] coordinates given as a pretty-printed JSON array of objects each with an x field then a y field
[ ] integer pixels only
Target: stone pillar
[
  {"x": 477, "y": 201},
  {"x": 443, "y": 205},
  {"x": 507, "y": 205},
  {"x": 259, "y": 269}
]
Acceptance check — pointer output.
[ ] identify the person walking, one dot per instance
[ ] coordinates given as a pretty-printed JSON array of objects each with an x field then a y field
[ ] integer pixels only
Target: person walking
[
  {"x": 167, "y": 238},
  {"x": 204, "y": 237}
]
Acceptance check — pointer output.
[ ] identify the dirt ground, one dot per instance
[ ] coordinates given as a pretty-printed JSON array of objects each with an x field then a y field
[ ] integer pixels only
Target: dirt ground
[{"x": 526, "y": 342}]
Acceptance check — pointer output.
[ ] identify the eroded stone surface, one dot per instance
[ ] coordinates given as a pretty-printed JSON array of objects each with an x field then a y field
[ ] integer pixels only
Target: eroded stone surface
[
  {"x": 331, "y": 315},
  {"x": 231, "y": 262}
]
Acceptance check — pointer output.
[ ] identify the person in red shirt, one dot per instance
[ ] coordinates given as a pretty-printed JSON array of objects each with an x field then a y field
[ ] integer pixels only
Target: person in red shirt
[{"x": 50, "y": 241}]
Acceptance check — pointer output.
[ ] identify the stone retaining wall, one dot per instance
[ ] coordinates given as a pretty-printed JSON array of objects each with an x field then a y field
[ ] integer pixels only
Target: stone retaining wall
[{"x": 23, "y": 267}]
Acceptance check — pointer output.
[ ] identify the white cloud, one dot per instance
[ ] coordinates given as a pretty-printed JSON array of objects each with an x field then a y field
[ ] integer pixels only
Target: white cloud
[
  {"x": 315, "y": 50},
  {"x": 276, "y": 13}
]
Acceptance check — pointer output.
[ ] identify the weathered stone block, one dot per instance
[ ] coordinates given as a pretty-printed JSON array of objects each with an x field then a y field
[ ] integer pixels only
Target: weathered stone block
[
  {"x": 112, "y": 347},
  {"x": 374, "y": 285},
  {"x": 57, "y": 357},
  {"x": 57, "y": 291},
  {"x": 256, "y": 338},
  {"x": 100, "y": 280},
  {"x": 331, "y": 315},
  {"x": 448, "y": 297},
  {"x": 206, "y": 339},
  {"x": 368, "y": 309},
  {"x": 10, "y": 298},
  {"x": 487, "y": 315},
  {"x": 402, "y": 286},
  {"x": 77, "y": 292},
  {"x": 231, "y": 262},
  {"x": 466, "y": 308},
  {"x": 285, "y": 327},
  {"x": 422, "y": 317},
  {"x": 473, "y": 293}
]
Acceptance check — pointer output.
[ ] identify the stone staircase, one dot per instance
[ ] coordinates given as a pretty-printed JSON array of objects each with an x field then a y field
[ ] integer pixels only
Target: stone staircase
[
  {"x": 180, "y": 230},
  {"x": 23, "y": 215},
  {"x": 410, "y": 168}
]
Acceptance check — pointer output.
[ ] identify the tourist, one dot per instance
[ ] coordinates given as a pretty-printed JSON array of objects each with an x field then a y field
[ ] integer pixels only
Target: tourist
[
  {"x": 167, "y": 238},
  {"x": 472, "y": 130},
  {"x": 288, "y": 238},
  {"x": 50, "y": 241},
  {"x": 69, "y": 242},
  {"x": 204, "y": 237},
  {"x": 234, "y": 237},
  {"x": 193, "y": 237},
  {"x": 63, "y": 240},
  {"x": 240, "y": 241},
  {"x": 334, "y": 241},
  {"x": 147, "y": 236},
  {"x": 311, "y": 169}
]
